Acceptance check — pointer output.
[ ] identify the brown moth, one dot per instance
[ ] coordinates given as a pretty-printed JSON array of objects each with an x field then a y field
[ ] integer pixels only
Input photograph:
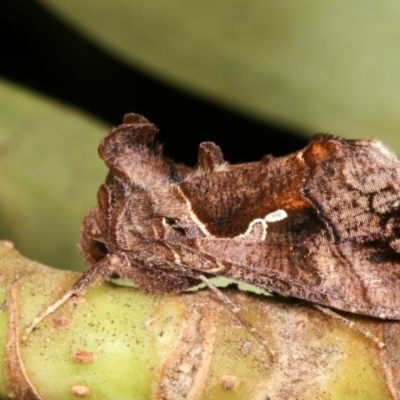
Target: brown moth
[{"x": 322, "y": 224}]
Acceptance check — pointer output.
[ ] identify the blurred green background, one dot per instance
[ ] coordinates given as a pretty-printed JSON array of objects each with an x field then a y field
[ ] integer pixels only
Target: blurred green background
[{"x": 256, "y": 77}]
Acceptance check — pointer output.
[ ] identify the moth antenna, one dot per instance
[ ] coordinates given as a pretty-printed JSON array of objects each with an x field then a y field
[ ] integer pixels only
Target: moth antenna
[
  {"x": 350, "y": 324},
  {"x": 234, "y": 309},
  {"x": 102, "y": 269}
]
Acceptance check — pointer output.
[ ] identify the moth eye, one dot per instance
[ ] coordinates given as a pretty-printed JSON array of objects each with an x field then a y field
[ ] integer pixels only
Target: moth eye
[{"x": 98, "y": 250}]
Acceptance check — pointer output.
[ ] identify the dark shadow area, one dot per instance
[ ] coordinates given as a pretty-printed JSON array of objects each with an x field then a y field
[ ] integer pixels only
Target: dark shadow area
[{"x": 41, "y": 52}]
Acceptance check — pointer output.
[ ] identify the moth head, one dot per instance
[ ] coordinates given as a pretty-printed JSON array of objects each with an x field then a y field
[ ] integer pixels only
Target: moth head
[
  {"x": 121, "y": 221},
  {"x": 92, "y": 245}
]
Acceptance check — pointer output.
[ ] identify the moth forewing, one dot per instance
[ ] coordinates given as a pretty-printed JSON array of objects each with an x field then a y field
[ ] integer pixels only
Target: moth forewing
[{"x": 321, "y": 224}]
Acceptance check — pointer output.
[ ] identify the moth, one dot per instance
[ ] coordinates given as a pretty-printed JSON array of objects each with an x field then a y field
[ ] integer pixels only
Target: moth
[{"x": 321, "y": 224}]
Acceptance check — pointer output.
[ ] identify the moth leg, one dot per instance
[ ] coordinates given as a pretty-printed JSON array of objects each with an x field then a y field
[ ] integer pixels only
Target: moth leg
[
  {"x": 234, "y": 309},
  {"x": 350, "y": 324},
  {"x": 102, "y": 269}
]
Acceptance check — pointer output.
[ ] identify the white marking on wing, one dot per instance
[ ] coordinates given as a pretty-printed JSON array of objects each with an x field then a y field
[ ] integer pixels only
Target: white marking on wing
[
  {"x": 277, "y": 215},
  {"x": 193, "y": 216},
  {"x": 274, "y": 216}
]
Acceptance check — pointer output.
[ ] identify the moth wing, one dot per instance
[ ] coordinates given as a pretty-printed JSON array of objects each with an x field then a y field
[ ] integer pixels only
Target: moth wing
[
  {"x": 338, "y": 244},
  {"x": 226, "y": 202},
  {"x": 354, "y": 186},
  {"x": 322, "y": 274}
]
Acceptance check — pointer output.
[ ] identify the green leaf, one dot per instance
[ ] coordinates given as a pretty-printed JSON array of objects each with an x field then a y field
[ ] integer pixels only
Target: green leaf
[
  {"x": 49, "y": 174},
  {"x": 317, "y": 66}
]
